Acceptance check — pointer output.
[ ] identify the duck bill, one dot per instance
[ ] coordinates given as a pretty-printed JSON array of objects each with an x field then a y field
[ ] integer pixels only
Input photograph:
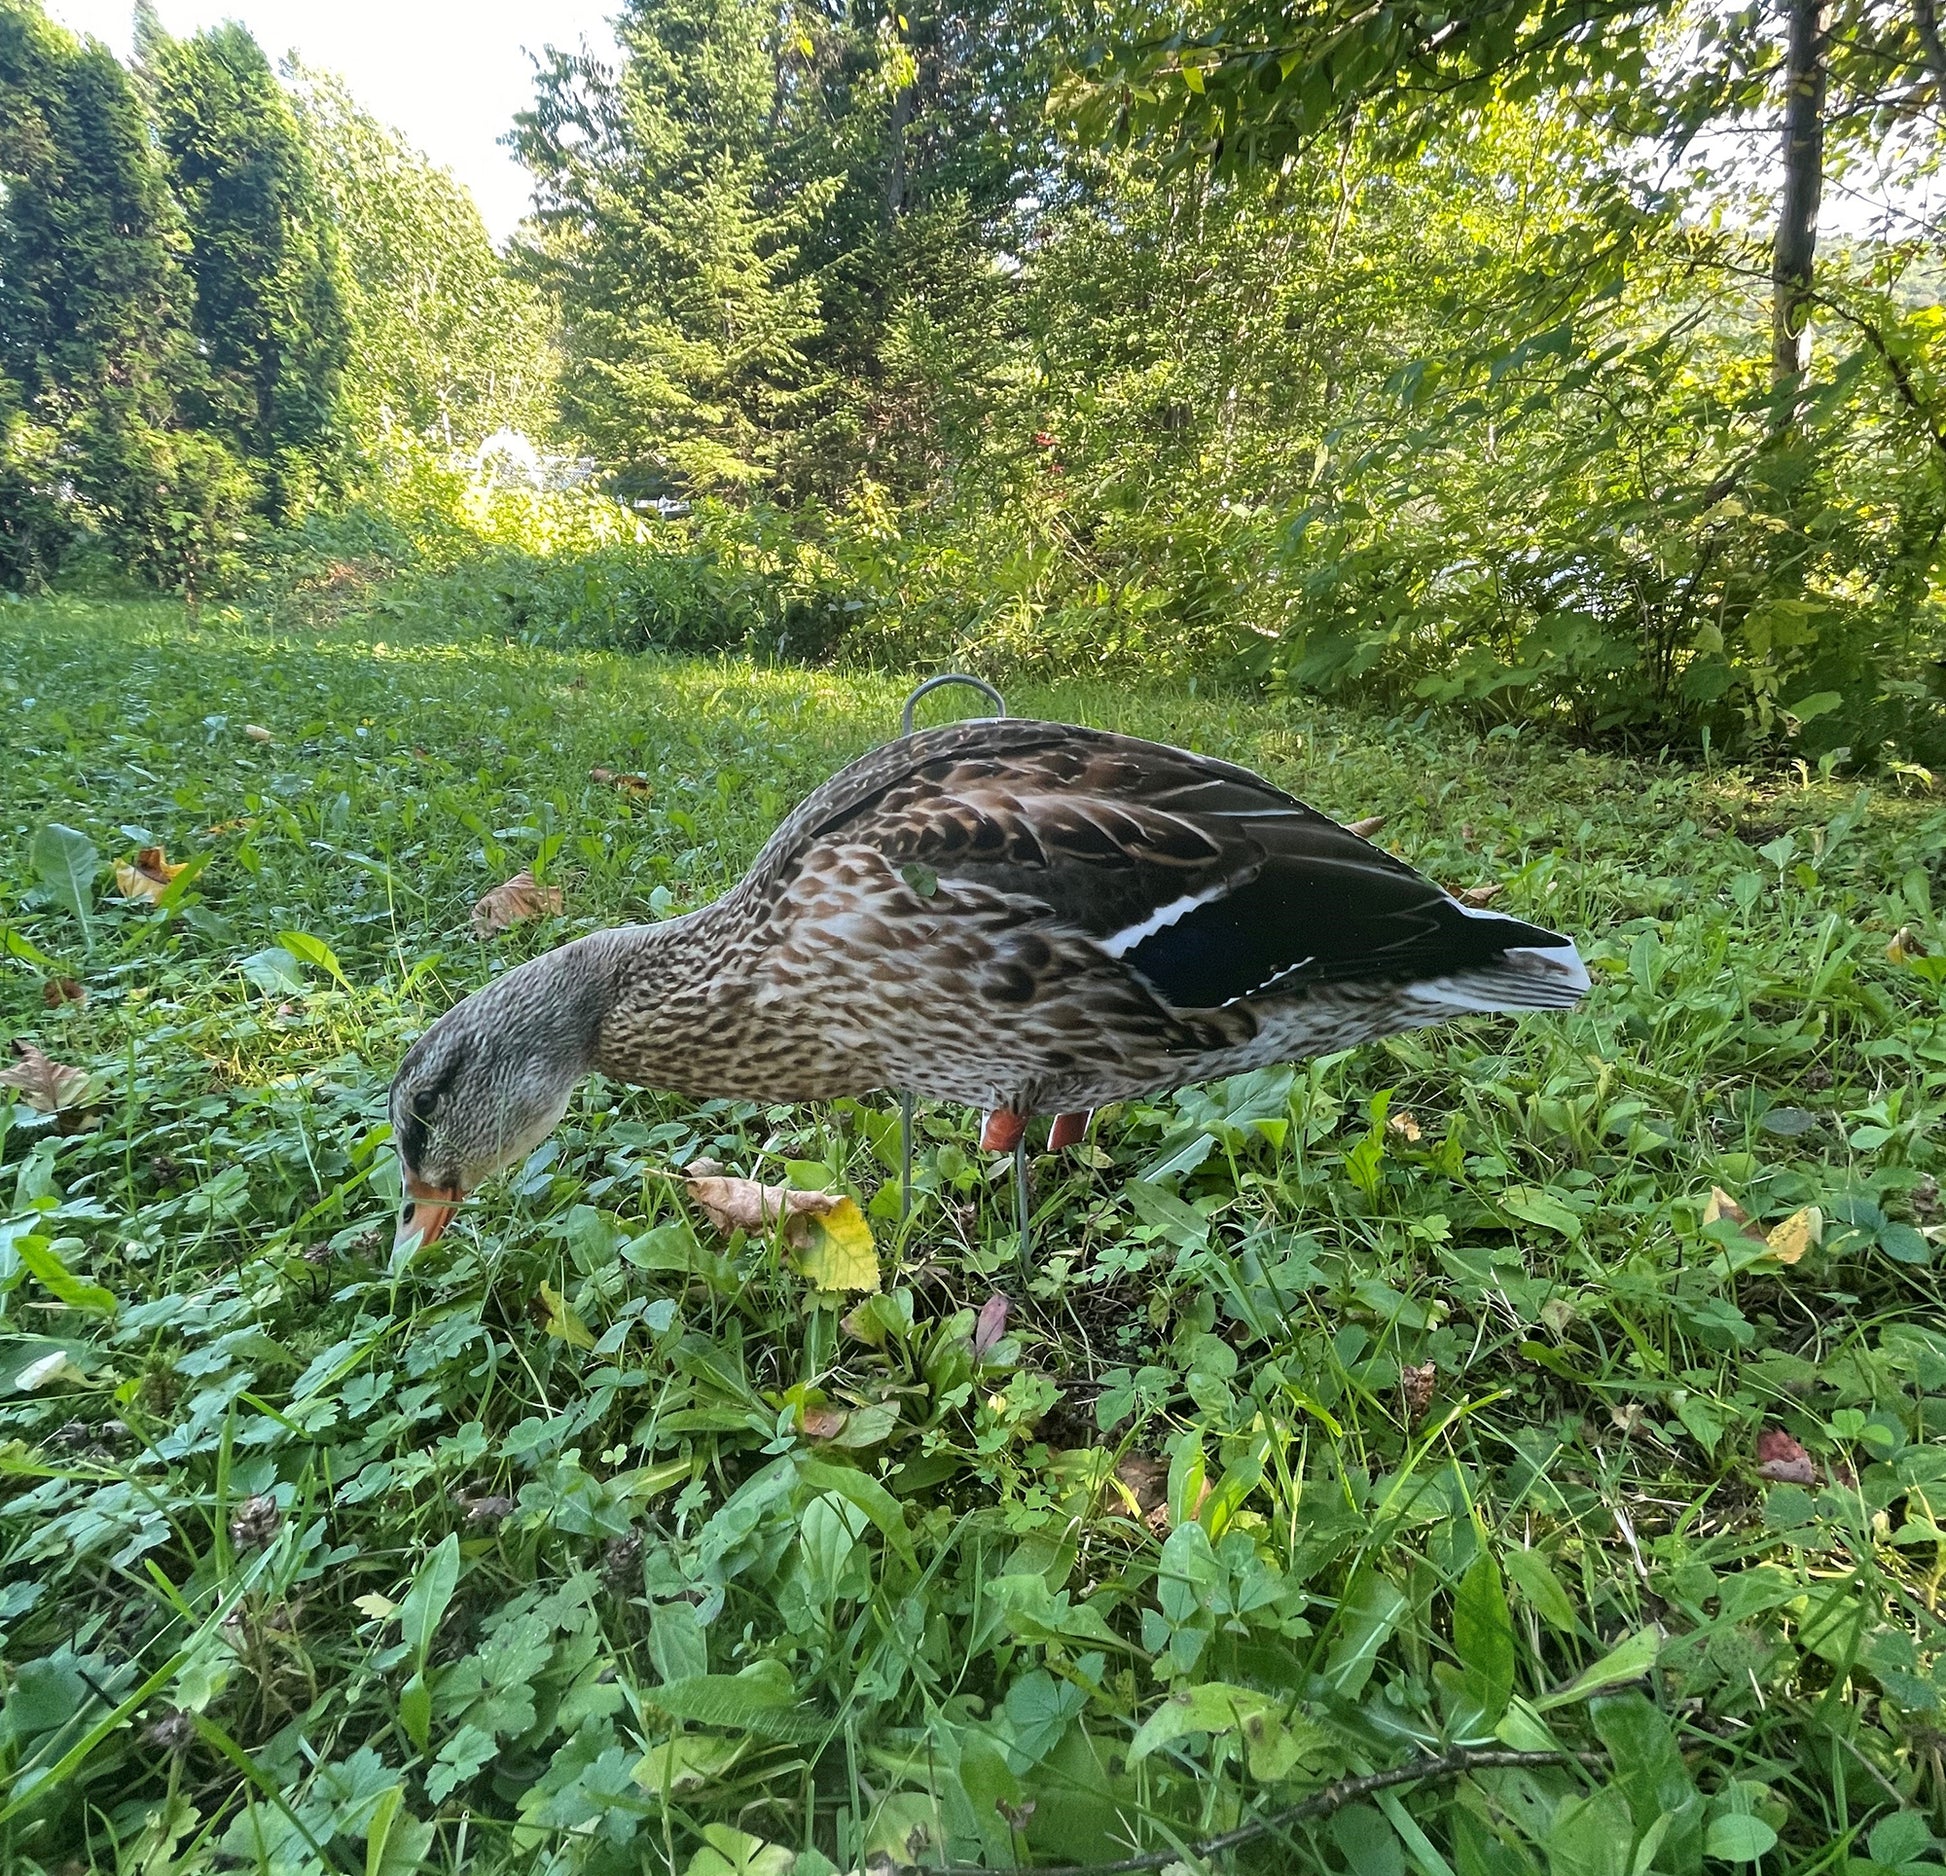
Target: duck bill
[{"x": 427, "y": 1211}]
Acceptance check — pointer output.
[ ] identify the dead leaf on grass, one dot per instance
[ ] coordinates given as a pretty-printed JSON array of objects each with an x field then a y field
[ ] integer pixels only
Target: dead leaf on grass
[
  {"x": 257, "y": 733},
  {"x": 513, "y": 902},
  {"x": 1480, "y": 895},
  {"x": 1418, "y": 1384},
  {"x": 147, "y": 876},
  {"x": 627, "y": 782},
  {"x": 1141, "y": 1486},
  {"x": 1787, "y": 1242},
  {"x": 1782, "y": 1460},
  {"x": 45, "y": 1085},
  {"x": 990, "y": 1326},
  {"x": 830, "y": 1242},
  {"x": 1366, "y": 828},
  {"x": 59, "y": 990},
  {"x": 1905, "y": 946},
  {"x": 1402, "y": 1122}
]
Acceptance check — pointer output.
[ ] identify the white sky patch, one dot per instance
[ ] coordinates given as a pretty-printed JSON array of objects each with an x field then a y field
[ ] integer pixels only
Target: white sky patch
[{"x": 448, "y": 74}]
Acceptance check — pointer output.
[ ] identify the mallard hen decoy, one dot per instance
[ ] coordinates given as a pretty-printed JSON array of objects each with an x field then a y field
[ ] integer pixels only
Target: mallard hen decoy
[{"x": 1027, "y": 917}]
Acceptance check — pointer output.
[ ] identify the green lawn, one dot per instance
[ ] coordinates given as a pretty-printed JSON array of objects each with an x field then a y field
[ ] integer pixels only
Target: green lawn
[{"x": 694, "y": 1573}]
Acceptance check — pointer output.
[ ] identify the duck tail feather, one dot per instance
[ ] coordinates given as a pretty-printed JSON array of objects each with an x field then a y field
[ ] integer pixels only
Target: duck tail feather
[{"x": 1535, "y": 977}]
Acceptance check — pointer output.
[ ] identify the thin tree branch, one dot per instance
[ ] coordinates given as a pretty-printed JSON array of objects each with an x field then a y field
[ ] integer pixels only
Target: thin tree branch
[
  {"x": 1454, "y": 1764},
  {"x": 1927, "y": 22}
]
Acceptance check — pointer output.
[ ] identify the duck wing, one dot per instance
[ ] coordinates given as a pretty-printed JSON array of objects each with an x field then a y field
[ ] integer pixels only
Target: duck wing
[{"x": 1205, "y": 881}]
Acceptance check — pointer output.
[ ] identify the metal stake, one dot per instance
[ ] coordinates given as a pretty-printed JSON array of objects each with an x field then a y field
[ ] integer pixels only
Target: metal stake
[
  {"x": 999, "y": 704},
  {"x": 1020, "y": 1197},
  {"x": 905, "y": 1156}
]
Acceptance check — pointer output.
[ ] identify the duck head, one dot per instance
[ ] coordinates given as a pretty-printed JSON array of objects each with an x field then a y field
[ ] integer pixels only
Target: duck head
[{"x": 489, "y": 1081}]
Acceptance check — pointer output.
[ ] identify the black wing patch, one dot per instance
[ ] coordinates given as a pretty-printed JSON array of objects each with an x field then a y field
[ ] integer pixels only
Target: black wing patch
[{"x": 1291, "y": 925}]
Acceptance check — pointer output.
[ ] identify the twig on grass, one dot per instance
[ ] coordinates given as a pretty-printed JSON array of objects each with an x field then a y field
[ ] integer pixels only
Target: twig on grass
[{"x": 1332, "y": 1798}]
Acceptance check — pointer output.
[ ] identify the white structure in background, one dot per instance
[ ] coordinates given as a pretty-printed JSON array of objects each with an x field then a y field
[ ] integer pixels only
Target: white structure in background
[{"x": 508, "y": 460}]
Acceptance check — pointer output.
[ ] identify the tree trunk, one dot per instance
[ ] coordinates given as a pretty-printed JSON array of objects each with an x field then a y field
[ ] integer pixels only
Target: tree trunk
[{"x": 1797, "y": 221}]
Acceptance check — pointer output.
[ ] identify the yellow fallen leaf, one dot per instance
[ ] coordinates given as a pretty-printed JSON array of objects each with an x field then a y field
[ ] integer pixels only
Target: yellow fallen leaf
[
  {"x": 1403, "y": 1123},
  {"x": 1787, "y": 1242},
  {"x": 374, "y": 1605},
  {"x": 1905, "y": 946},
  {"x": 559, "y": 1319},
  {"x": 514, "y": 901},
  {"x": 829, "y": 1240},
  {"x": 837, "y": 1253},
  {"x": 147, "y": 876}
]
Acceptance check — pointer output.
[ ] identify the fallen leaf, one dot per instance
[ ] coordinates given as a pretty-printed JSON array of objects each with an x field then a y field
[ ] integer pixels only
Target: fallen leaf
[
  {"x": 512, "y": 902},
  {"x": 1721, "y": 1205},
  {"x": 704, "y": 1169},
  {"x": 1142, "y": 1484},
  {"x": 839, "y": 1254},
  {"x": 1626, "y": 1417},
  {"x": 257, "y": 733},
  {"x": 1480, "y": 895},
  {"x": 46, "y": 1086},
  {"x": 148, "y": 876},
  {"x": 59, "y": 990},
  {"x": 374, "y": 1605},
  {"x": 1402, "y": 1122},
  {"x": 750, "y": 1206},
  {"x": 992, "y": 1324},
  {"x": 1366, "y": 828},
  {"x": 629, "y": 784},
  {"x": 1418, "y": 1385},
  {"x": 1906, "y": 945},
  {"x": 1782, "y": 1460},
  {"x": 821, "y": 1423},
  {"x": 488, "y": 1509},
  {"x": 558, "y": 1319},
  {"x": 1800, "y": 1232}
]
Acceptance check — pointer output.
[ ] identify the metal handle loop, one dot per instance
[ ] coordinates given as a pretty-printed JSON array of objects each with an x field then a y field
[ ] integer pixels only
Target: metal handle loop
[{"x": 980, "y": 684}]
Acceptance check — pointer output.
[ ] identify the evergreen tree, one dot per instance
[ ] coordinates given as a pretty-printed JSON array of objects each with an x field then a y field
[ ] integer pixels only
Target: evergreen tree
[
  {"x": 671, "y": 248},
  {"x": 268, "y": 312},
  {"x": 93, "y": 341}
]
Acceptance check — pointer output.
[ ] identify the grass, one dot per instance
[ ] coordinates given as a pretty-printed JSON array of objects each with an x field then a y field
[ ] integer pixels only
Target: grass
[{"x": 1402, "y": 1401}]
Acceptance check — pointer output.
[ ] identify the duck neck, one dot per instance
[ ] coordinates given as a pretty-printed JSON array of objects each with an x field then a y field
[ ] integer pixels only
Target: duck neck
[{"x": 672, "y": 994}]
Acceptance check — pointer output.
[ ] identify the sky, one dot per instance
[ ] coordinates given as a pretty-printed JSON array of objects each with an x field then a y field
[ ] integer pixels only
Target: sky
[{"x": 450, "y": 74}]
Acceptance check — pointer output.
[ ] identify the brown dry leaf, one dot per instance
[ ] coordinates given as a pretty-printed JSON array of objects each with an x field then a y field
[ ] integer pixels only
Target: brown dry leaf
[
  {"x": 1782, "y": 1460},
  {"x": 514, "y": 901},
  {"x": 1140, "y": 1487},
  {"x": 1721, "y": 1205},
  {"x": 1787, "y": 1242},
  {"x": 1404, "y": 1123},
  {"x": 1626, "y": 1417},
  {"x": 821, "y": 1423},
  {"x": 257, "y": 733},
  {"x": 1906, "y": 944},
  {"x": 1480, "y": 895},
  {"x": 1418, "y": 1385},
  {"x": 750, "y": 1206},
  {"x": 990, "y": 1325},
  {"x": 148, "y": 876},
  {"x": 46, "y": 1086},
  {"x": 59, "y": 990},
  {"x": 1366, "y": 828},
  {"x": 628, "y": 783}
]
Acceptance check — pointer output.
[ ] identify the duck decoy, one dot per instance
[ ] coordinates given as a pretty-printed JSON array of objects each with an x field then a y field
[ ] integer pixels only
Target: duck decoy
[{"x": 1026, "y": 917}]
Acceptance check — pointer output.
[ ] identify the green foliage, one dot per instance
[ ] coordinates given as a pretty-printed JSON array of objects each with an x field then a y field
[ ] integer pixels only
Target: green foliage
[
  {"x": 314, "y": 1555},
  {"x": 444, "y": 343},
  {"x": 263, "y": 261}
]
